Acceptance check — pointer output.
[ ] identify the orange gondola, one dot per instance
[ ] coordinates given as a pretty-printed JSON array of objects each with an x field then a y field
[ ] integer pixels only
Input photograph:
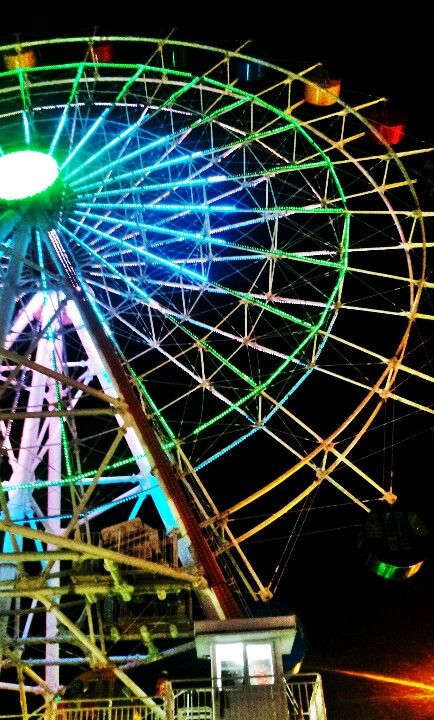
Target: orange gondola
[
  {"x": 20, "y": 59},
  {"x": 323, "y": 93}
]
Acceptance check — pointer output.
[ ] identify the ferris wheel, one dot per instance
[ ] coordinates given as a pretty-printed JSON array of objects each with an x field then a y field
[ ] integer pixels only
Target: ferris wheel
[{"x": 212, "y": 269}]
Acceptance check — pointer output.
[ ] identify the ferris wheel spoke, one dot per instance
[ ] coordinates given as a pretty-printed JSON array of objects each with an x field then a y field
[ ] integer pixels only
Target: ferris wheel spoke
[
  {"x": 171, "y": 140},
  {"x": 146, "y": 116},
  {"x": 181, "y": 270},
  {"x": 217, "y": 152},
  {"x": 205, "y": 208},
  {"x": 64, "y": 116},
  {"x": 102, "y": 118},
  {"x": 193, "y": 181},
  {"x": 303, "y": 461},
  {"x": 124, "y": 136},
  {"x": 195, "y": 338},
  {"x": 331, "y": 449},
  {"x": 140, "y": 252},
  {"x": 144, "y": 171}
]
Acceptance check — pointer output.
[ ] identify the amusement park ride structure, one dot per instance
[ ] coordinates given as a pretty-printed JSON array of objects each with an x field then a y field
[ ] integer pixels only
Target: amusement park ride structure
[{"x": 197, "y": 247}]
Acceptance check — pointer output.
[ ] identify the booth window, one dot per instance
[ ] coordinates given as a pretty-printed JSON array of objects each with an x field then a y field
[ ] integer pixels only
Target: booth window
[
  {"x": 260, "y": 663},
  {"x": 229, "y": 664}
]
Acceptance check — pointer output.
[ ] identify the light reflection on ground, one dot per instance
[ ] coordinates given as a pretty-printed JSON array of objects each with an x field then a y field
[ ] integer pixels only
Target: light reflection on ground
[{"x": 408, "y": 694}]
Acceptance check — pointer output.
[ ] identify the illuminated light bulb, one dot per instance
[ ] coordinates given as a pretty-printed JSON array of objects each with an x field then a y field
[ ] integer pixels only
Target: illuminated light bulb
[{"x": 26, "y": 173}]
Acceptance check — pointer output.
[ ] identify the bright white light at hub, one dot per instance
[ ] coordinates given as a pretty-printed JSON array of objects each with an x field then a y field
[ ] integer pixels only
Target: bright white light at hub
[{"x": 26, "y": 173}]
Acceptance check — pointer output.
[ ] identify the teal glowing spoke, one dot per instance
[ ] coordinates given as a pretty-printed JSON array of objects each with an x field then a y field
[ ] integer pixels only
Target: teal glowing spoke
[
  {"x": 161, "y": 165},
  {"x": 181, "y": 322},
  {"x": 179, "y": 134},
  {"x": 215, "y": 151},
  {"x": 145, "y": 254},
  {"x": 105, "y": 113},
  {"x": 127, "y": 133},
  {"x": 130, "y": 130},
  {"x": 44, "y": 283},
  {"x": 67, "y": 108},
  {"x": 172, "y": 232},
  {"x": 196, "y": 237},
  {"x": 200, "y": 182},
  {"x": 167, "y": 207},
  {"x": 162, "y": 207},
  {"x": 229, "y": 291},
  {"x": 213, "y": 179},
  {"x": 141, "y": 294},
  {"x": 210, "y": 207},
  {"x": 86, "y": 137},
  {"x": 104, "y": 169}
]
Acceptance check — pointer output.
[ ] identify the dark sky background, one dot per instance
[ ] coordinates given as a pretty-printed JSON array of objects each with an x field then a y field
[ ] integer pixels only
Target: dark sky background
[
  {"x": 373, "y": 47},
  {"x": 354, "y": 621}
]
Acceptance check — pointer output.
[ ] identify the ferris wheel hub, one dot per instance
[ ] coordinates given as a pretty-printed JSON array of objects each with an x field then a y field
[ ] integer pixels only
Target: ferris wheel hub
[{"x": 26, "y": 173}]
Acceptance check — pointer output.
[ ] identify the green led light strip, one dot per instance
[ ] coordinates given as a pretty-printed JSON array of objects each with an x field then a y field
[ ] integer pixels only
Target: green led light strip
[{"x": 71, "y": 479}]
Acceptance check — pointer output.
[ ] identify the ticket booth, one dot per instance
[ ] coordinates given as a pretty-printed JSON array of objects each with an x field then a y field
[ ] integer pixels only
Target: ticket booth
[{"x": 246, "y": 665}]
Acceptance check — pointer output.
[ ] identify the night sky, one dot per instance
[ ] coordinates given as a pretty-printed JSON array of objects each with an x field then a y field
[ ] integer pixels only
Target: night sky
[
  {"x": 373, "y": 49},
  {"x": 354, "y": 621}
]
